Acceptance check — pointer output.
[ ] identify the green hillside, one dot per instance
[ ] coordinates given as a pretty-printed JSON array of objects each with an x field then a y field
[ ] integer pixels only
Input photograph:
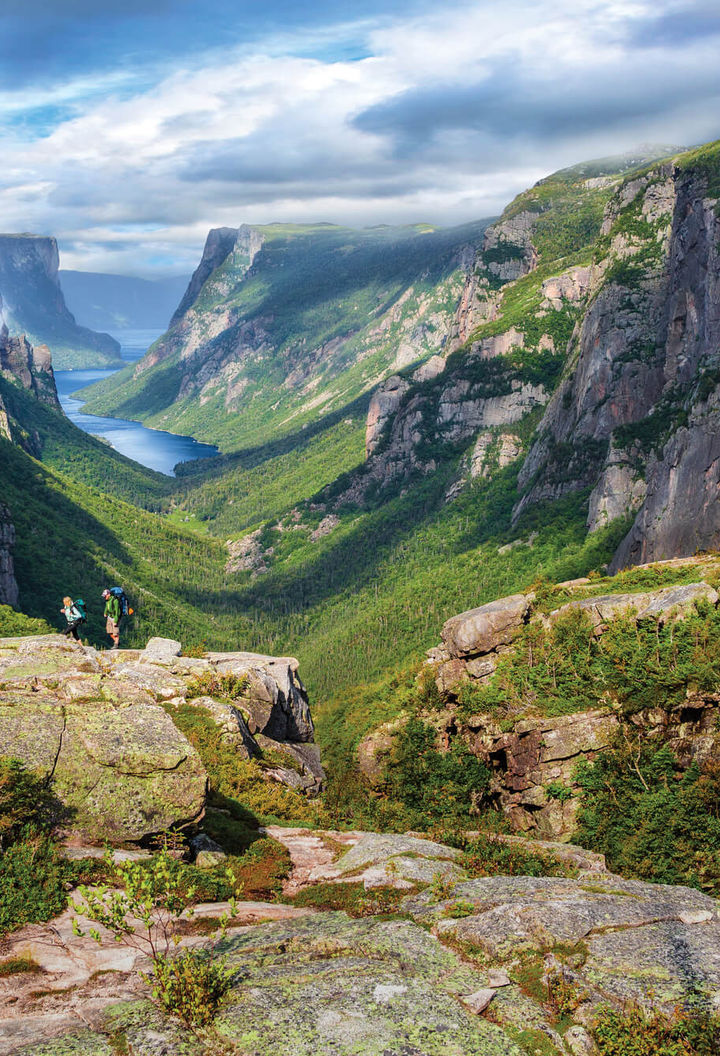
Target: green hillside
[{"x": 318, "y": 320}]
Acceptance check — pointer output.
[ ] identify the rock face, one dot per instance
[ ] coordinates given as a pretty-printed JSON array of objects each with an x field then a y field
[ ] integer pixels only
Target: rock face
[
  {"x": 32, "y": 304},
  {"x": 638, "y": 416},
  {"x": 99, "y": 727},
  {"x": 29, "y": 367},
  {"x": 9, "y": 593}
]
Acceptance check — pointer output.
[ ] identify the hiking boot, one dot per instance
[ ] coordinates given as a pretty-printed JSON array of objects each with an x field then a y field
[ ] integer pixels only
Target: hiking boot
[{"x": 114, "y": 647}]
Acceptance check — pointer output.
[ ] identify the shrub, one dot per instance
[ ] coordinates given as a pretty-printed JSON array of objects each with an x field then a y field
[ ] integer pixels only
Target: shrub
[
  {"x": 32, "y": 883},
  {"x": 487, "y": 855},
  {"x": 650, "y": 819},
  {"x": 434, "y": 786},
  {"x": 144, "y": 915},
  {"x": 24, "y": 800},
  {"x": 191, "y": 984},
  {"x": 632, "y": 1031}
]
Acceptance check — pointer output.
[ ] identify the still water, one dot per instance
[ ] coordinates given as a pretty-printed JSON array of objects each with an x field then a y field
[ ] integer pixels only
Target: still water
[{"x": 150, "y": 447}]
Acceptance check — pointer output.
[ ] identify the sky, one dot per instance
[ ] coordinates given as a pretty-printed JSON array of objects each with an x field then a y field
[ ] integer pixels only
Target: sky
[{"x": 129, "y": 128}]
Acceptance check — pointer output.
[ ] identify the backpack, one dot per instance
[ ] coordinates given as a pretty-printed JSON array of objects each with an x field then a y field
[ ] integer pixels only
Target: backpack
[
  {"x": 80, "y": 606},
  {"x": 120, "y": 594}
]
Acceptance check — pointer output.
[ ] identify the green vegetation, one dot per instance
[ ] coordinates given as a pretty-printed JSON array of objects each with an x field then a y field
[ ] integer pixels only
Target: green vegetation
[
  {"x": 326, "y": 309},
  {"x": 486, "y": 854},
  {"x": 18, "y": 966},
  {"x": 634, "y": 665},
  {"x": 652, "y": 819},
  {"x": 352, "y": 897},
  {"x": 239, "y": 779},
  {"x": 144, "y": 914},
  {"x": 14, "y": 624},
  {"x": 633, "y": 1031}
]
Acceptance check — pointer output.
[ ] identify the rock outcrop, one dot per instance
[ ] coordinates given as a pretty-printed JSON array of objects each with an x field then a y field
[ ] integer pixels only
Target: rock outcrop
[
  {"x": 448, "y": 978},
  {"x": 637, "y": 419},
  {"x": 533, "y": 757},
  {"x": 98, "y": 726},
  {"x": 32, "y": 303}
]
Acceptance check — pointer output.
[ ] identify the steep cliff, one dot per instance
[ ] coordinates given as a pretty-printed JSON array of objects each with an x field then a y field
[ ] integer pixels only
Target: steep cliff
[
  {"x": 511, "y": 335},
  {"x": 635, "y": 418},
  {"x": 32, "y": 303},
  {"x": 282, "y": 325},
  {"x": 597, "y": 298},
  {"x": 9, "y": 594}
]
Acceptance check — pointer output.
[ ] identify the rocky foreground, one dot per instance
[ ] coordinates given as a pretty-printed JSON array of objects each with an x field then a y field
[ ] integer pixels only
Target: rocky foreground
[
  {"x": 466, "y": 967},
  {"x": 98, "y": 726}
]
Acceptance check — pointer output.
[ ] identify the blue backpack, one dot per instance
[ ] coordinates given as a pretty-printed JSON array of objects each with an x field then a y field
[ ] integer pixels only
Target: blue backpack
[{"x": 120, "y": 594}]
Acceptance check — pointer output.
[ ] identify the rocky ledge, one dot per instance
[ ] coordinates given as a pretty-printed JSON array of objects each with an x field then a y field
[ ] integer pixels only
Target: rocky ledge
[
  {"x": 98, "y": 726},
  {"x": 465, "y": 967}
]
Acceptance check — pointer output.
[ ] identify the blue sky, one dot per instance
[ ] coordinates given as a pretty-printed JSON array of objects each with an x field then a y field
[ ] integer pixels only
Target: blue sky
[{"x": 130, "y": 127}]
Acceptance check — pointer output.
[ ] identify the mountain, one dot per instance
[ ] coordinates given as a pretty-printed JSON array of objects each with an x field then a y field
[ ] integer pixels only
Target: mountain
[
  {"x": 607, "y": 329},
  {"x": 32, "y": 303},
  {"x": 121, "y": 302},
  {"x": 285, "y": 323}
]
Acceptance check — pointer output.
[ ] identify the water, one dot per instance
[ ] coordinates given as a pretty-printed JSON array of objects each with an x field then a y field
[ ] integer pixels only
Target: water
[{"x": 150, "y": 447}]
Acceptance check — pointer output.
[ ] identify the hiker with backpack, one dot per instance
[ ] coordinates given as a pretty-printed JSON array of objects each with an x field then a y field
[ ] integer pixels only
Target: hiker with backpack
[
  {"x": 74, "y": 612},
  {"x": 116, "y": 606}
]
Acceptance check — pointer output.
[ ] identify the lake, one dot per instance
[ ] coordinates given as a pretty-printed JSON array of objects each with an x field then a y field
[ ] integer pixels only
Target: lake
[{"x": 150, "y": 447}]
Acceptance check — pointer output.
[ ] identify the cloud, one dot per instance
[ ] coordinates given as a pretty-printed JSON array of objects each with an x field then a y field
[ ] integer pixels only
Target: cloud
[{"x": 418, "y": 113}]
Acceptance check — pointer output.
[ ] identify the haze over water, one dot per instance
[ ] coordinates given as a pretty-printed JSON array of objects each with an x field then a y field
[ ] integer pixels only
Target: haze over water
[{"x": 150, "y": 447}]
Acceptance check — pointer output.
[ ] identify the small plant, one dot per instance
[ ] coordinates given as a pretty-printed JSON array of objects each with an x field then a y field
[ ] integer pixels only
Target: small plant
[
  {"x": 352, "y": 897},
  {"x": 213, "y": 684},
  {"x": 442, "y": 886},
  {"x": 144, "y": 915},
  {"x": 564, "y": 995},
  {"x": 460, "y": 908},
  {"x": 558, "y": 790},
  {"x": 633, "y": 1031},
  {"x": 19, "y": 965}
]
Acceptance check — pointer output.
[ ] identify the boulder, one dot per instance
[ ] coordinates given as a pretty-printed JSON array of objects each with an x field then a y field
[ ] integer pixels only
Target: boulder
[
  {"x": 161, "y": 649},
  {"x": 275, "y": 701},
  {"x": 482, "y": 630}
]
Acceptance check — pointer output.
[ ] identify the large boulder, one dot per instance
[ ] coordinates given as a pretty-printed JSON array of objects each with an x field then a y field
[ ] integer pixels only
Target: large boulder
[
  {"x": 483, "y": 629},
  {"x": 117, "y": 763}
]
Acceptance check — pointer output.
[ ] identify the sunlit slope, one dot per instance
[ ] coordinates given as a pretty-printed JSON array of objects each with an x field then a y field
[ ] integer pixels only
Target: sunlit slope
[{"x": 294, "y": 323}]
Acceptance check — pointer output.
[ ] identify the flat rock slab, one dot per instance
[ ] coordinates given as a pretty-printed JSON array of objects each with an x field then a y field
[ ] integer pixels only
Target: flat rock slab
[
  {"x": 640, "y": 938},
  {"x": 379, "y": 848}
]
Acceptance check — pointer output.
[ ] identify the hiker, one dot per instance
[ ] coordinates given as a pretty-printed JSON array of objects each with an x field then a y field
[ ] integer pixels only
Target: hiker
[
  {"x": 113, "y": 613},
  {"x": 75, "y": 615}
]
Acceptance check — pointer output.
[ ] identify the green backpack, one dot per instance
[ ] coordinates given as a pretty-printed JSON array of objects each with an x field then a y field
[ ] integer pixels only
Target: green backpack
[{"x": 80, "y": 606}]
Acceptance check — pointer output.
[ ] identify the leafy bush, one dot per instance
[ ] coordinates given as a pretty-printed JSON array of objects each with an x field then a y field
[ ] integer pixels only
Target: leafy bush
[
  {"x": 143, "y": 914},
  {"x": 650, "y": 819},
  {"x": 14, "y": 624},
  {"x": 434, "y": 786},
  {"x": 191, "y": 984},
  {"x": 632, "y": 1031}
]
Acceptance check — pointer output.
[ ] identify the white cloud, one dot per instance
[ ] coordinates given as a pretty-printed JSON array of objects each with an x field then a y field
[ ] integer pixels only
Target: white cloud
[{"x": 134, "y": 177}]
